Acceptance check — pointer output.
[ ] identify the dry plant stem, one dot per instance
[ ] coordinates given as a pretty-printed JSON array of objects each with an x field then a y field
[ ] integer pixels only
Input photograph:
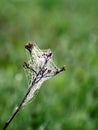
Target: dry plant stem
[
  {"x": 34, "y": 81},
  {"x": 19, "y": 107}
]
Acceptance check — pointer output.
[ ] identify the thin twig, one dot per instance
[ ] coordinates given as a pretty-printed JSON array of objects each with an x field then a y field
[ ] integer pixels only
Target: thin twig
[
  {"x": 20, "y": 105},
  {"x": 38, "y": 77}
]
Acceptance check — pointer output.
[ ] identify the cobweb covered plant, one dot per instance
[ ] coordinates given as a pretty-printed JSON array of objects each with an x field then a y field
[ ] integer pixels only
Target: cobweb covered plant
[{"x": 40, "y": 68}]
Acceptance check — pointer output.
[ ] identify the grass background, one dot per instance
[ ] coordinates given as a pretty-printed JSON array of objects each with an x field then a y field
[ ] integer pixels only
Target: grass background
[{"x": 70, "y": 29}]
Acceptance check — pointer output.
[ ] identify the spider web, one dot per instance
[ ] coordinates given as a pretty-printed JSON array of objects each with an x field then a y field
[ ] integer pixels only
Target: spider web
[{"x": 40, "y": 60}]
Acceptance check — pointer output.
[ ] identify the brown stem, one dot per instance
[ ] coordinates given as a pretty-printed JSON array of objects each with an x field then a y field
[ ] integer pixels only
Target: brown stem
[{"x": 19, "y": 107}]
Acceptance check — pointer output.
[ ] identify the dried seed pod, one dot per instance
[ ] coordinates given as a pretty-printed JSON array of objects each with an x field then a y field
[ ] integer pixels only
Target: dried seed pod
[
  {"x": 29, "y": 46},
  {"x": 49, "y": 71},
  {"x": 63, "y": 68}
]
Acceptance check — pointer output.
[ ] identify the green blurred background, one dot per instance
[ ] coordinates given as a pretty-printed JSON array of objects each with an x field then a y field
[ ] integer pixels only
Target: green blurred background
[{"x": 70, "y": 28}]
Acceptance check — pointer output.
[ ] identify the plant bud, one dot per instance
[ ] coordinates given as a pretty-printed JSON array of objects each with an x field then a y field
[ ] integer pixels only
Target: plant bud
[{"x": 29, "y": 46}]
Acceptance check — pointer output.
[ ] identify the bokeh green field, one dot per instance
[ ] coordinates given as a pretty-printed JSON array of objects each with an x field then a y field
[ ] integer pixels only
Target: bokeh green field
[{"x": 70, "y": 28}]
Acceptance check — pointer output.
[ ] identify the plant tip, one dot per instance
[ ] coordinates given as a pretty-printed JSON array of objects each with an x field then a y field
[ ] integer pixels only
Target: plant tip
[{"x": 29, "y": 46}]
